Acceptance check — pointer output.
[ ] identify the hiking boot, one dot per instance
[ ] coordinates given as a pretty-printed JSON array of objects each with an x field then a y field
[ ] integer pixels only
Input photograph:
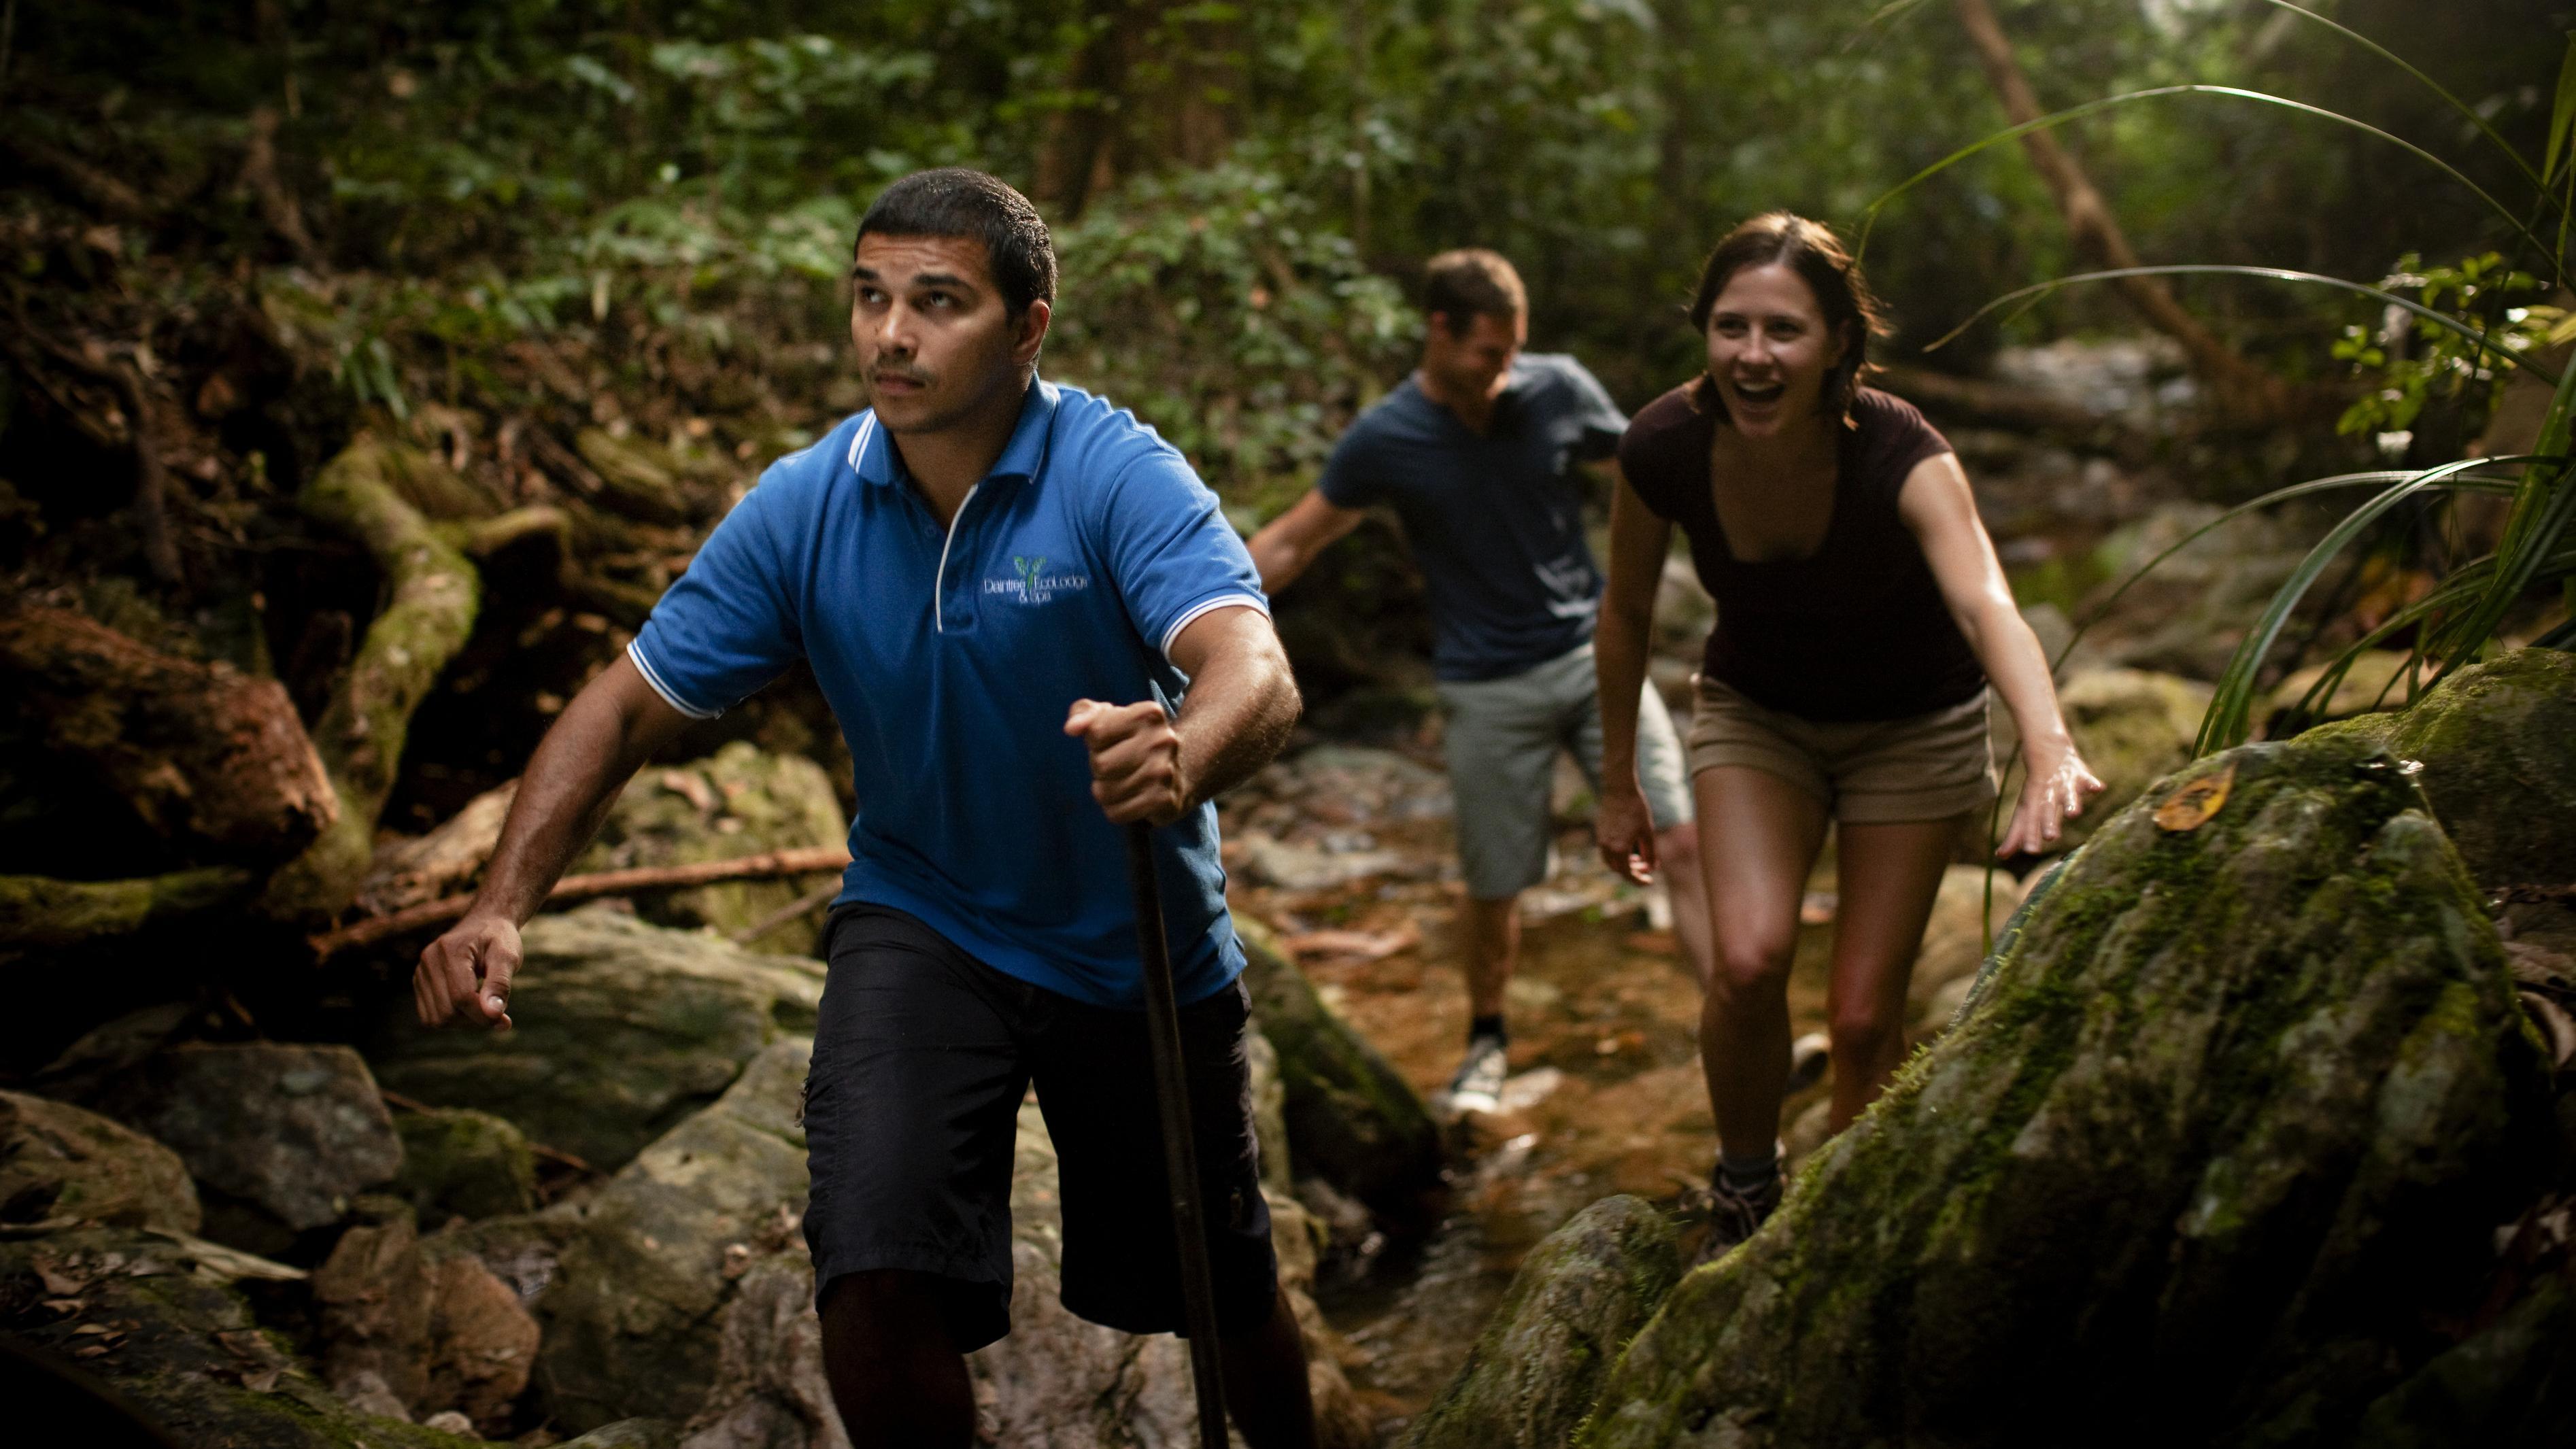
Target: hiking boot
[
  {"x": 1478, "y": 1087},
  {"x": 1736, "y": 1213}
]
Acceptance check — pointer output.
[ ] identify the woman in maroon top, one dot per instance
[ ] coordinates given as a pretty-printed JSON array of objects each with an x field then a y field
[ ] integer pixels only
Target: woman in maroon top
[{"x": 1861, "y": 614}]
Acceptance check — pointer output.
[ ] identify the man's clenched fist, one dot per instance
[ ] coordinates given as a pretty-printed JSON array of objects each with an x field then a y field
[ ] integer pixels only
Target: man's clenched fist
[
  {"x": 464, "y": 976},
  {"x": 1135, "y": 759}
]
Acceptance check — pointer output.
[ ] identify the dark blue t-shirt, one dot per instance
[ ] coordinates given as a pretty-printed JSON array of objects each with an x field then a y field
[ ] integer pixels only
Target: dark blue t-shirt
[
  {"x": 1496, "y": 522},
  {"x": 950, "y": 658}
]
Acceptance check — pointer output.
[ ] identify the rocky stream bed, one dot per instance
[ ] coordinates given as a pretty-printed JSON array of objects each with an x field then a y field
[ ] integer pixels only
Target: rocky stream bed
[{"x": 2256, "y": 1128}]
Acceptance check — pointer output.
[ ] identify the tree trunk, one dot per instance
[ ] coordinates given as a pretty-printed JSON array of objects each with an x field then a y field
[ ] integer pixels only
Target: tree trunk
[
  {"x": 207, "y": 756},
  {"x": 2239, "y": 390}
]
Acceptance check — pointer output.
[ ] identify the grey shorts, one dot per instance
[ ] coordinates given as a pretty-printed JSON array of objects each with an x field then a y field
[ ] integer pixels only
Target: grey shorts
[{"x": 1503, "y": 735}]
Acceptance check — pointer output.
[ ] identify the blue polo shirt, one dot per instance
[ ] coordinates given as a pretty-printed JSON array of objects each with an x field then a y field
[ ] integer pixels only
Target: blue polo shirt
[
  {"x": 1495, "y": 519},
  {"x": 950, "y": 657}
]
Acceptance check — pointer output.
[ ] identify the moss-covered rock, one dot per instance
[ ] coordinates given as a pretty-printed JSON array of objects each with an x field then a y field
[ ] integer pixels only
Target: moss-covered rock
[
  {"x": 629, "y": 1283},
  {"x": 1577, "y": 1300},
  {"x": 1352, "y": 1120},
  {"x": 162, "y": 1321},
  {"x": 2498, "y": 745},
  {"x": 739, "y": 801},
  {"x": 2512, "y": 1382},
  {"x": 289, "y": 1131},
  {"x": 458, "y": 1162},
  {"x": 623, "y": 1029},
  {"x": 2222, "y": 1141},
  {"x": 60, "y": 1163}
]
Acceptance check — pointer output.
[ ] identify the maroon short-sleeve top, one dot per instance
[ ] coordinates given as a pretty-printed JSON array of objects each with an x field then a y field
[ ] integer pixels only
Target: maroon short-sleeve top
[{"x": 1856, "y": 630}]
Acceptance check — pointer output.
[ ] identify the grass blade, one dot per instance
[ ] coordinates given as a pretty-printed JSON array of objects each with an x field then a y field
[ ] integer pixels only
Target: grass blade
[
  {"x": 2281, "y": 495},
  {"x": 2037, "y": 290},
  {"x": 2461, "y": 106},
  {"x": 1869, "y": 216},
  {"x": 2226, "y": 723}
]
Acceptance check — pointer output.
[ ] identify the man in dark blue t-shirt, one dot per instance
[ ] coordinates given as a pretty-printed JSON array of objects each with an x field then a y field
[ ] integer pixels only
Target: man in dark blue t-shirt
[
  {"x": 1477, "y": 454},
  {"x": 993, "y": 578}
]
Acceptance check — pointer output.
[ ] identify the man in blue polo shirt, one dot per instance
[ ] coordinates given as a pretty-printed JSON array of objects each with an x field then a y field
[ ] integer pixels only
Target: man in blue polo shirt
[
  {"x": 995, "y": 580},
  {"x": 1477, "y": 452}
]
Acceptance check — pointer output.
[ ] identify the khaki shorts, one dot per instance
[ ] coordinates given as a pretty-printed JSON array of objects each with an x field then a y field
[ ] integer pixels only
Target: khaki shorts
[{"x": 1866, "y": 772}]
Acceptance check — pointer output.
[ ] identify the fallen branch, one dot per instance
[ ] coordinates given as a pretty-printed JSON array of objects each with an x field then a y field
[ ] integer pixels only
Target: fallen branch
[
  {"x": 818, "y": 896},
  {"x": 803, "y": 861},
  {"x": 408, "y": 872},
  {"x": 1995, "y": 404}
]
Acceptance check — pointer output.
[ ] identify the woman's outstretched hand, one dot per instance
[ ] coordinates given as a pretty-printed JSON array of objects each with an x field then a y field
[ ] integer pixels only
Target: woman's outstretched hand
[
  {"x": 2057, "y": 784},
  {"x": 1626, "y": 831}
]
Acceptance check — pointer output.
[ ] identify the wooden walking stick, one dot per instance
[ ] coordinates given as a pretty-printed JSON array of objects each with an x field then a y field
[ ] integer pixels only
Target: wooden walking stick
[{"x": 1180, "y": 1149}]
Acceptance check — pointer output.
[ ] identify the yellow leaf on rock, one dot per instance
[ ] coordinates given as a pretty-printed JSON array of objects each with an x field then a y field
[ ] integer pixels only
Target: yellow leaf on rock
[{"x": 2191, "y": 807}]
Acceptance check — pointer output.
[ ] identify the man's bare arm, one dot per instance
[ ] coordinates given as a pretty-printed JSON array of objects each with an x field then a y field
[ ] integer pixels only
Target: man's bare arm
[
  {"x": 1241, "y": 705},
  {"x": 608, "y": 731},
  {"x": 1286, "y": 545}
]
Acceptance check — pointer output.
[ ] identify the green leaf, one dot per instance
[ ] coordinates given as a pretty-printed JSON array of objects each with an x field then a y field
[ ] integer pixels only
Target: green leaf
[{"x": 2562, "y": 114}]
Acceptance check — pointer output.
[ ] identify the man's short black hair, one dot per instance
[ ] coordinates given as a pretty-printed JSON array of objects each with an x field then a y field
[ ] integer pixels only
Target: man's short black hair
[{"x": 956, "y": 201}]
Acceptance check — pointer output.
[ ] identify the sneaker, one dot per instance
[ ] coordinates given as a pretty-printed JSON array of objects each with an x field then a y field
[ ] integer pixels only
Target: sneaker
[
  {"x": 1809, "y": 1055},
  {"x": 1478, "y": 1087}
]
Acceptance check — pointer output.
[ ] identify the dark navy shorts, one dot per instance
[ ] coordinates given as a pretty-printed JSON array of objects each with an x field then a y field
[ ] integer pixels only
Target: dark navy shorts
[{"x": 922, "y": 1055}]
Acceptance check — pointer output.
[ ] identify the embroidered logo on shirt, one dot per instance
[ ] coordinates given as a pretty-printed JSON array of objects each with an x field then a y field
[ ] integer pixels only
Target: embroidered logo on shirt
[{"x": 1034, "y": 584}]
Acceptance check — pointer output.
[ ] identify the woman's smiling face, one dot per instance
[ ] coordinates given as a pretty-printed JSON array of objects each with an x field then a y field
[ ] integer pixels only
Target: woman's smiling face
[{"x": 1769, "y": 349}]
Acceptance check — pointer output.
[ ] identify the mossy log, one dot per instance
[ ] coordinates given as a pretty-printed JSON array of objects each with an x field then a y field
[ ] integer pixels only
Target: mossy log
[
  {"x": 1352, "y": 1120},
  {"x": 432, "y": 594},
  {"x": 39, "y": 912},
  {"x": 2222, "y": 1143},
  {"x": 210, "y": 758}
]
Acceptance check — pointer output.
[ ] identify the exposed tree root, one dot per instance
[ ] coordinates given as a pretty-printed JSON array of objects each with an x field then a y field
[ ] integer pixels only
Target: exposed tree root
[{"x": 434, "y": 592}]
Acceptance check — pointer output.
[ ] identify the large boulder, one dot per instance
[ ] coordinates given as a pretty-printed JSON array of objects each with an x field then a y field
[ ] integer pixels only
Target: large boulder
[
  {"x": 2218, "y": 1148},
  {"x": 1577, "y": 1300},
  {"x": 290, "y": 1133},
  {"x": 629, "y": 1283},
  {"x": 1056, "y": 1382},
  {"x": 163, "y": 1320},
  {"x": 622, "y": 1030},
  {"x": 59, "y": 1163},
  {"x": 739, "y": 801},
  {"x": 1352, "y": 1120},
  {"x": 2498, "y": 746}
]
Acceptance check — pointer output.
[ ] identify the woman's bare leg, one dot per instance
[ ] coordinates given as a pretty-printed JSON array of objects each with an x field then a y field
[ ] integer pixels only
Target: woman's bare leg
[
  {"x": 1887, "y": 879},
  {"x": 1759, "y": 836}
]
